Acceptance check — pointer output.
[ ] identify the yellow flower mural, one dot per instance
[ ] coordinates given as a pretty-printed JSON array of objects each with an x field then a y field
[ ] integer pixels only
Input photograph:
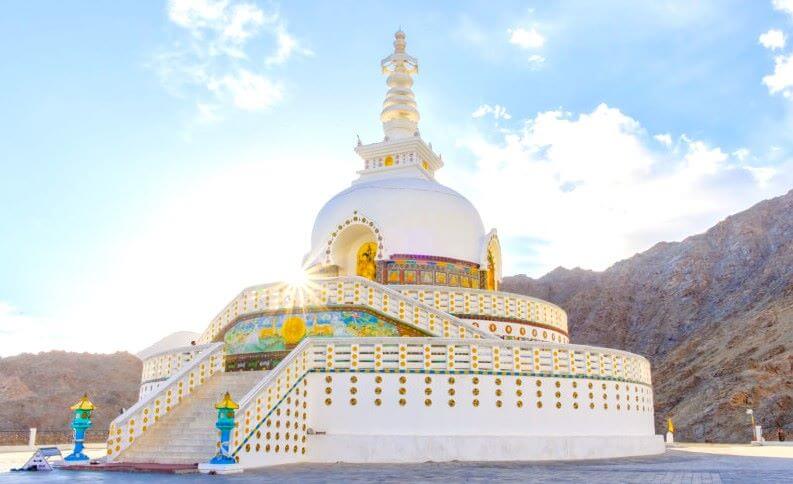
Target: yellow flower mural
[{"x": 293, "y": 330}]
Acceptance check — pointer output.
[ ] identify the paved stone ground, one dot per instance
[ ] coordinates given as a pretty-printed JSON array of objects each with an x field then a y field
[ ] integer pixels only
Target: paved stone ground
[{"x": 676, "y": 466}]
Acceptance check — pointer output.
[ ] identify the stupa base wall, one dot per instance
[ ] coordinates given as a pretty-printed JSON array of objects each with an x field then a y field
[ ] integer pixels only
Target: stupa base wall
[{"x": 364, "y": 449}]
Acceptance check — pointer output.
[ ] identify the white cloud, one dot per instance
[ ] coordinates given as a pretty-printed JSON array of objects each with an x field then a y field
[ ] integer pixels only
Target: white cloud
[
  {"x": 741, "y": 154},
  {"x": 287, "y": 45},
  {"x": 498, "y": 112},
  {"x": 526, "y": 39},
  {"x": 594, "y": 188},
  {"x": 536, "y": 61},
  {"x": 762, "y": 174},
  {"x": 249, "y": 91},
  {"x": 664, "y": 139},
  {"x": 208, "y": 113},
  {"x": 219, "y": 58},
  {"x": 785, "y": 6},
  {"x": 773, "y": 39},
  {"x": 196, "y": 14},
  {"x": 782, "y": 78}
]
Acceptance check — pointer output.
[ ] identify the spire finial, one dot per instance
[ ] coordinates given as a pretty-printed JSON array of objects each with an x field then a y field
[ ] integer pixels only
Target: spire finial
[{"x": 400, "y": 115}]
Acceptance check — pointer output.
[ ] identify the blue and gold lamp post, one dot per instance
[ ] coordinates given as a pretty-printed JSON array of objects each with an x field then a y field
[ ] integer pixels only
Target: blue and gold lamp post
[
  {"x": 223, "y": 462},
  {"x": 80, "y": 423}
]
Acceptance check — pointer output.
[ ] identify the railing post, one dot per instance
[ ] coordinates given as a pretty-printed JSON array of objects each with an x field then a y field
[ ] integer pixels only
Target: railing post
[{"x": 32, "y": 438}]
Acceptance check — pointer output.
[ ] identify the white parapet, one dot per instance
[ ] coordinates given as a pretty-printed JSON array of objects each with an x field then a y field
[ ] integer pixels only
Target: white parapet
[{"x": 420, "y": 399}]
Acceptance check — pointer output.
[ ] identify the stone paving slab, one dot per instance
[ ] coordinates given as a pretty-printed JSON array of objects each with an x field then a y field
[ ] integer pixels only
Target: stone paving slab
[{"x": 675, "y": 466}]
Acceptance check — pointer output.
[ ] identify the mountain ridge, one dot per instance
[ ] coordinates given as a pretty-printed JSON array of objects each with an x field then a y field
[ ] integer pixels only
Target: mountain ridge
[{"x": 735, "y": 276}]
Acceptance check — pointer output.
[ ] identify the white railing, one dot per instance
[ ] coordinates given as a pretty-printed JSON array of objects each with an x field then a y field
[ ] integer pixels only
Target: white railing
[
  {"x": 343, "y": 291},
  {"x": 478, "y": 302},
  {"x": 269, "y": 392},
  {"x": 430, "y": 355},
  {"x": 163, "y": 364},
  {"x": 148, "y": 411}
]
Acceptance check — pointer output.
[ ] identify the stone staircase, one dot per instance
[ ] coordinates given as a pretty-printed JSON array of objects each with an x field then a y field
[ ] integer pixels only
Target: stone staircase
[{"x": 188, "y": 435}]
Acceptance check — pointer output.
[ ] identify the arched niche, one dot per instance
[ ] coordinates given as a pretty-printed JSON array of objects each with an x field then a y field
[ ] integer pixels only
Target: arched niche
[
  {"x": 355, "y": 246},
  {"x": 490, "y": 261}
]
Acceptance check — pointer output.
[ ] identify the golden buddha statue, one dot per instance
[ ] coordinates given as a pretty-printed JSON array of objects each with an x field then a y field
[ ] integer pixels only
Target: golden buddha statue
[
  {"x": 365, "y": 266},
  {"x": 491, "y": 271}
]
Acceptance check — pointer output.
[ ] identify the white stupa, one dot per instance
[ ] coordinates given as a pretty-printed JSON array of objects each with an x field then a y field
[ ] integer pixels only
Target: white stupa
[{"x": 399, "y": 347}]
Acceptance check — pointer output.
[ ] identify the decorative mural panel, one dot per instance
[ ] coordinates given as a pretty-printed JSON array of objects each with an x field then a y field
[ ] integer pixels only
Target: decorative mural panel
[
  {"x": 419, "y": 269},
  {"x": 260, "y": 343}
]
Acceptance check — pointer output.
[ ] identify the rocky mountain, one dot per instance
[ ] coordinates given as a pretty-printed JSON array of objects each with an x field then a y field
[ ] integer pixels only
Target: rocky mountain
[
  {"x": 714, "y": 314},
  {"x": 36, "y": 390}
]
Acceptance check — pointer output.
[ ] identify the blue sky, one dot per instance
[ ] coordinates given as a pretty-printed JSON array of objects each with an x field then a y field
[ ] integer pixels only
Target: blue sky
[{"x": 156, "y": 157}]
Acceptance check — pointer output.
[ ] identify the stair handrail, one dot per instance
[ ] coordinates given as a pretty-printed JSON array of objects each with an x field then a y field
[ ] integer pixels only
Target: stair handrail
[
  {"x": 451, "y": 291},
  {"x": 402, "y": 297},
  {"x": 327, "y": 282},
  {"x": 274, "y": 373},
  {"x": 124, "y": 429}
]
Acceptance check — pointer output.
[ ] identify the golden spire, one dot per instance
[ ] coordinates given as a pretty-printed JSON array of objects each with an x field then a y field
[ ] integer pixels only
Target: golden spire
[
  {"x": 83, "y": 404},
  {"x": 400, "y": 116},
  {"x": 227, "y": 402}
]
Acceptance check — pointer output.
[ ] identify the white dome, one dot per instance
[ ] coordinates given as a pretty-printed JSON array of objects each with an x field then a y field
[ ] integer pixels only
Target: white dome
[{"x": 413, "y": 215}]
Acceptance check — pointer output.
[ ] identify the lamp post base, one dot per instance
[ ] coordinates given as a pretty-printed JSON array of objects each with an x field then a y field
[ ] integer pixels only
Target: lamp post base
[
  {"x": 76, "y": 459},
  {"x": 209, "y": 468}
]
